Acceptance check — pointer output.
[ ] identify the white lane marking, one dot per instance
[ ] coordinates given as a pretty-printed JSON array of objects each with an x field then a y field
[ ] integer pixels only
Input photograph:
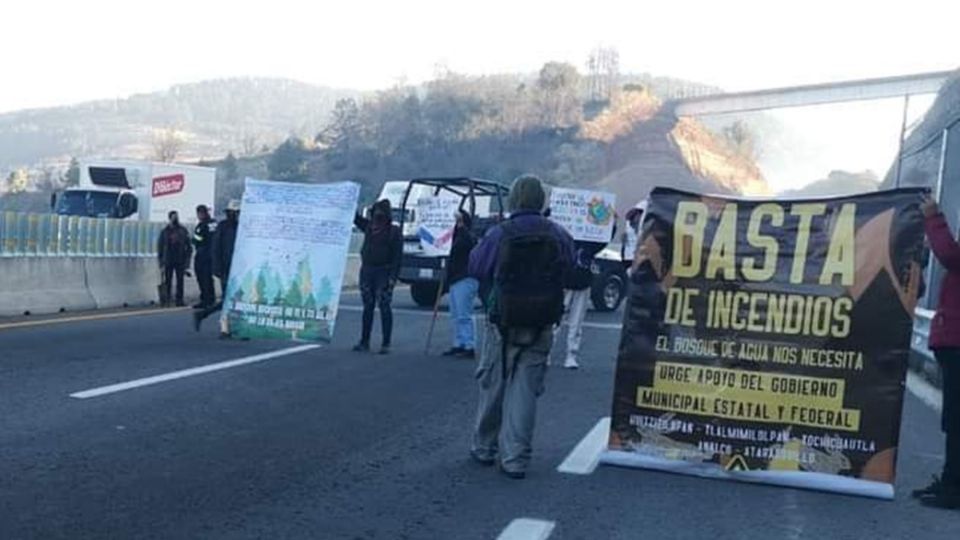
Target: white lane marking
[
  {"x": 120, "y": 387},
  {"x": 527, "y": 529},
  {"x": 925, "y": 391},
  {"x": 586, "y": 455},
  {"x": 428, "y": 313},
  {"x": 90, "y": 317}
]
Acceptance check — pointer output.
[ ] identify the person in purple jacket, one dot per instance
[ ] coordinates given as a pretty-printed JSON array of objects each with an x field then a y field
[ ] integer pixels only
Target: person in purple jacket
[{"x": 513, "y": 359}]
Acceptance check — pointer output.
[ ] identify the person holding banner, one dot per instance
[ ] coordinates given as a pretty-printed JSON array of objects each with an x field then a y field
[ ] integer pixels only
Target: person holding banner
[
  {"x": 944, "y": 340},
  {"x": 463, "y": 288},
  {"x": 380, "y": 258}
]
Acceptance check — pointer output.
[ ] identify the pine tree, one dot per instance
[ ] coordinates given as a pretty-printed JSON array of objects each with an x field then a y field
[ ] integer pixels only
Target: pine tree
[
  {"x": 305, "y": 278},
  {"x": 261, "y": 286},
  {"x": 18, "y": 181},
  {"x": 72, "y": 176},
  {"x": 278, "y": 299},
  {"x": 325, "y": 294},
  {"x": 294, "y": 299},
  {"x": 249, "y": 283}
]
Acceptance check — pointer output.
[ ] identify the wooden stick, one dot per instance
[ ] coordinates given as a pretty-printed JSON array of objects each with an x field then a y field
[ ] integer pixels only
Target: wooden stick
[{"x": 436, "y": 305}]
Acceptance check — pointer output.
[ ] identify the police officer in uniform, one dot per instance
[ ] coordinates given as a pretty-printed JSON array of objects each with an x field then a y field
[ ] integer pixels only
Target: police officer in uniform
[{"x": 203, "y": 258}]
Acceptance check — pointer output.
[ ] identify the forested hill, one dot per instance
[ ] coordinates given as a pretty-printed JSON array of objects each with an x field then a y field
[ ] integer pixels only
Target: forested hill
[
  {"x": 209, "y": 118},
  {"x": 572, "y": 129},
  {"x": 497, "y": 127}
]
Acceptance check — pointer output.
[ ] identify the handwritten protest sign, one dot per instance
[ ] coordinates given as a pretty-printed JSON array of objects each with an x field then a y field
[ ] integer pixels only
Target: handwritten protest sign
[
  {"x": 587, "y": 215},
  {"x": 289, "y": 259},
  {"x": 436, "y": 220}
]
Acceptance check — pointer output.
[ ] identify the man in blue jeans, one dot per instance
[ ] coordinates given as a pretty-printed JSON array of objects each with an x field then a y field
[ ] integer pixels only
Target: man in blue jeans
[{"x": 463, "y": 289}]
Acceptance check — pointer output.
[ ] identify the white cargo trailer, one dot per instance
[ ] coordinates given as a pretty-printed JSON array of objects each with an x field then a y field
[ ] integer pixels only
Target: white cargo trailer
[{"x": 138, "y": 190}]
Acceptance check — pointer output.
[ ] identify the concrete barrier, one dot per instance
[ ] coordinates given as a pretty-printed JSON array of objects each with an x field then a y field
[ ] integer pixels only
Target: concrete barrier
[
  {"x": 119, "y": 282},
  {"x": 43, "y": 285},
  {"x": 40, "y": 285},
  {"x": 351, "y": 274}
]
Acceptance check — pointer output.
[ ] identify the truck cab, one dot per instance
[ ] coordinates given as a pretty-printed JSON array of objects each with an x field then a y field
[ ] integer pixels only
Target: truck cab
[
  {"x": 137, "y": 190},
  {"x": 101, "y": 203},
  {"x": 103, "y": 191},
  {"x": 484, "y": 200}
]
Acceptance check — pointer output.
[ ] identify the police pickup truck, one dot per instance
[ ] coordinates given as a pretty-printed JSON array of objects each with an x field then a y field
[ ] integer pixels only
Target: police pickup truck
[{"x": 485, "y": 200}]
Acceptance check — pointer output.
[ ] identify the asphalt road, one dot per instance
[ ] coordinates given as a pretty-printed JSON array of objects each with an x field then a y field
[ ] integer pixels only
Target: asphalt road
[{"x": 331, "y": 444}]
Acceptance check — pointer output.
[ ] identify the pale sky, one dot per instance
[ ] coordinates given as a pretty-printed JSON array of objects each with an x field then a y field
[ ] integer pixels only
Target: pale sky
[
  {"x": 57, "y": 52},
  {"x": 54, "y": 53}
]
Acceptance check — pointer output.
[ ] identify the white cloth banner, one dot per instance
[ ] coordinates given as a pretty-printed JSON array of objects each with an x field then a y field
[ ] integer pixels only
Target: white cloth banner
[{"x": 289, "y": 259}]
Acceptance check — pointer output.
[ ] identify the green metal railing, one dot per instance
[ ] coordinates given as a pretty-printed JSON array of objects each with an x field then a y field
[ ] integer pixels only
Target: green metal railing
[{"x": 50, "y": 235}]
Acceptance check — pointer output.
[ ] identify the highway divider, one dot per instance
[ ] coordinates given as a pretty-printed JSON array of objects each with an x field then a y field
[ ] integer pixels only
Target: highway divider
[{"x": 51, "y": 263}]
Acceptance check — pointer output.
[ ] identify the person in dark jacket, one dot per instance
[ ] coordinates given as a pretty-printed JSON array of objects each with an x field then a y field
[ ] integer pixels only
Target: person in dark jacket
[
  {"x": 173, "y": 253},
  {"x": 513, "y": 361},
  {"x": 221, "y": 248},
  {"x": 944, "y": 340},
  {"x": 223, "y": 244},
  {"x": 379, "y": 268},
  {"x": 463, "y": 288},
  {"x": 203, "y": 256}
]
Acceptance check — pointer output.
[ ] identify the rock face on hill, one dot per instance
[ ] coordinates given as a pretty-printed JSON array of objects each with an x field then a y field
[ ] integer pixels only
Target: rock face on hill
[
  {"x": 680, "y": 153},
  {"x": 837, "y": 183},
  {"x": 920, "y": 158}
]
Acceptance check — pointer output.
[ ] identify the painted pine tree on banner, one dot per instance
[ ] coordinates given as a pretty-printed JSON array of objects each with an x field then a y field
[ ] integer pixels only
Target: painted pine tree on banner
[
  {"x": 305, "y": 277},
  {"x": 325, "y": 296}
]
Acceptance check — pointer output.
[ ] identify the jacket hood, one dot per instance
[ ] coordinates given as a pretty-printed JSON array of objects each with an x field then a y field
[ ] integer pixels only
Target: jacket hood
[{"x": 527, "y": 193}]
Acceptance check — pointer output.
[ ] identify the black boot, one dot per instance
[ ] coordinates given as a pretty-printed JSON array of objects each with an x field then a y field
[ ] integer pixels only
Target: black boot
[{"x": 930, "y": 490}]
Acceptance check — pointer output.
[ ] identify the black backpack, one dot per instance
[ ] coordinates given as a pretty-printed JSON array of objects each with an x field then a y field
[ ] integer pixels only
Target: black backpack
[{"x": 528, "y": 279}]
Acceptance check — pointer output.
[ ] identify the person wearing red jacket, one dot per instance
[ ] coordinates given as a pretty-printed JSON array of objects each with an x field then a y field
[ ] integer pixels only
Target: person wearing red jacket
[{"x": 944, "y": 492}]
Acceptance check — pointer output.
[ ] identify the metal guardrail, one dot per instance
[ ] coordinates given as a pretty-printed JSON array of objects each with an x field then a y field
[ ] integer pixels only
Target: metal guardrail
[{"x": 50, "y": 235}]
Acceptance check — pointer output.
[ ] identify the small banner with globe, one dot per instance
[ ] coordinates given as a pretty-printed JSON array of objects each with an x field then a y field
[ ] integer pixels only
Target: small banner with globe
[
  {"x": 289, "y": 260},
  {"x": 587, "y": 215}
]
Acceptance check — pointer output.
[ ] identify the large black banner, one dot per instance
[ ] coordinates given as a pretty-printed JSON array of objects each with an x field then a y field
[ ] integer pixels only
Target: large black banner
[{"x": 768, "y": 340}]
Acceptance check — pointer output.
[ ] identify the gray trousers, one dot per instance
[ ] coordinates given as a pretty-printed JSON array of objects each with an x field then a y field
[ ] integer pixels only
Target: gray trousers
[{"x": 509, "y": 387}]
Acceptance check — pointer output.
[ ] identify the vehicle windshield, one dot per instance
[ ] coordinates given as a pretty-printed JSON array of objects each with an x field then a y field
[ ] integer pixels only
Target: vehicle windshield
[{"x": 87, "y": 203}]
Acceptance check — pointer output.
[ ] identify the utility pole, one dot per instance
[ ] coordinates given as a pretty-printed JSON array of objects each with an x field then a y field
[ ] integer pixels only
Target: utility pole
[{"x": 903, "y": 133}]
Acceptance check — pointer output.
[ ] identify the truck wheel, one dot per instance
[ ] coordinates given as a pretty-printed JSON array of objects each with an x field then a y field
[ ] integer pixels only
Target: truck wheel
[
  {"x": 607, "y": 292},
  {"x": 424, "y": 293}
]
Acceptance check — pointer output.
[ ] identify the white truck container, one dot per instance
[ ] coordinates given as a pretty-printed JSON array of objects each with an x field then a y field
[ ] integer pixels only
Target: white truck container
[{"x": 138, "y": 190}]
